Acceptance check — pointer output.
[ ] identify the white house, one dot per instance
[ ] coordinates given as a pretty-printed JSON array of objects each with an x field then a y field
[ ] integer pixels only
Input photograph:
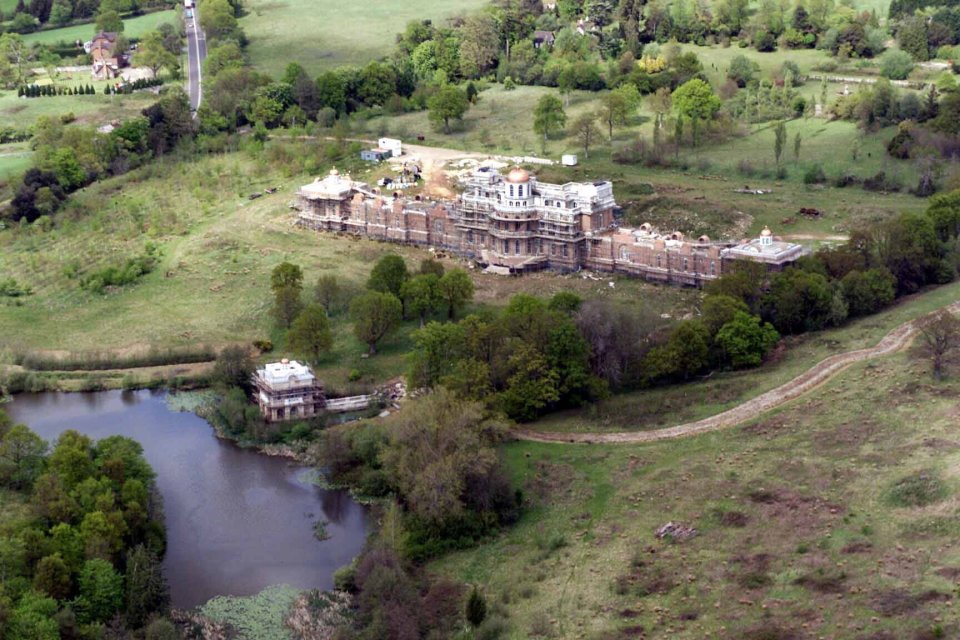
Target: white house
[{"x": 392, "y": 145}]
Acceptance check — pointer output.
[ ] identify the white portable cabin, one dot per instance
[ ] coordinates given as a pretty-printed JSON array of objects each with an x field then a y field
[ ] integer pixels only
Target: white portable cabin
[
  {"x": 569, "y": 160},
  {"x": 394, "y": 146},
  {"x": 188, "y": 4}
]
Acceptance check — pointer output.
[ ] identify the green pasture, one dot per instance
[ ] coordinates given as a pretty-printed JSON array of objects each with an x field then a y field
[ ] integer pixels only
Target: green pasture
[
  {"x": 97, "y": 109},
  {"x": 324, "y": 34},
  {"x": 14, "y": 159},
  {"x": 132, "y": 28}
]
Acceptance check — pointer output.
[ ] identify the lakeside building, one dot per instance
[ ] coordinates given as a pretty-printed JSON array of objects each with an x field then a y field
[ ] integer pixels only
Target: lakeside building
[
  {"x": 288, "y": 390},
  {"x": 515, "y": 223}
]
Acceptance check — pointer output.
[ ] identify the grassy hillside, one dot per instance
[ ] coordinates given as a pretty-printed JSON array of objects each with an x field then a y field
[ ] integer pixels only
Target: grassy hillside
[
  {"x": 97, "y": 109},
  {"x": 325, "y": 34},
  {"x": 132, "y": 28},
  {"x": 835, "y": 517},
  {"x": 14, "y": 159}
]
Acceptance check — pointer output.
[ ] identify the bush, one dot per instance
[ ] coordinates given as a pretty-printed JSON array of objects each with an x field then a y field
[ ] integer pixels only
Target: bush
[
  {"x": 814, "y": 175},
  {"x": 917, "y": 490},
  {"x": 896, "y": 65}
]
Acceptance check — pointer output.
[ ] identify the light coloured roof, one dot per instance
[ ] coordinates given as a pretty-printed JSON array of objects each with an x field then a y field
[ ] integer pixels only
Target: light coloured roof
[
  {"x": 333, "y": 186},
  {"x": 286, "y": 372}
]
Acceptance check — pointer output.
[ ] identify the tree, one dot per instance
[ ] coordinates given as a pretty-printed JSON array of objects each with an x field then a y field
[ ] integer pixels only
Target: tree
[
  {"x": 779, "y": 139},
  {"x": 432, "y": 265},
  {"x": 310, "y": 333},
  {"x": 939, "y": 340},
  {"x": 233, "y": 367},
  {"x": 388, "y": 275},
  {"x": 660, "y": 103},
  {"x": 476, "y": 607},
  {"x": 548, "y": 116},
  {"x": 742, "y": 70},
  {"x": 34, "y": 618},
  {"x": 798, "y": 301},
  {"x": 895, "y": 64},
  {"x": 449, "y": 103},
  {"x": 146, "y": 587},
  {"x": 868, "y": 291},
  {"x": 617, "y": 105},
  {"x": 21, "y": 451},
  {"x": 153, "y": 54},
  {"x": 695, "y": 101},
  {"x": 286, "y": 282},
  {"x": 61, "y": 12},
  {"x": 439, "y": 452},
  {"x": 685, "y": 353},
  {"x": 479, "y": 43},
  {"x": 532, "y": 385},
  {"x": 219, "y": 21},
  {"x": 101, "y": 591},
  {"x": 15, "y": 52},
  {"x": 374, "y": 316},
  {"x": 456, "y": 289},
  {"x": 586, "y": 132},
  {"x": 52, "y": 577},
  {"x": 421, "y": 295},
  {"x": 329, "y": 294},
  {"x": 719, "y": 309},
  {"x": 109, "y": 21},
  {"x": 796, "y": 146},
  {"x": 746, "y": 339}
]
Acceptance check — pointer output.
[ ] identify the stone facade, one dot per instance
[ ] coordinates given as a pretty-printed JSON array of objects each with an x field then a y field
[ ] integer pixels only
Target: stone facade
[{"x": 515, "y": 223}]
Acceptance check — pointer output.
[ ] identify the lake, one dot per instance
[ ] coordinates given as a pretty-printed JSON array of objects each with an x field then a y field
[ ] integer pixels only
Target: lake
[{"x": 237, "y": 521}]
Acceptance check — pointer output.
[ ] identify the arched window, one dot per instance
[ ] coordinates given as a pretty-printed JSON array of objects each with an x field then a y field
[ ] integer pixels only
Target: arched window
[
  {"x": 511, "y": 191},
  {"x": 659, "y": 261},
  {"x": 624, "y": 254},
  {"x": 686, "y": 264},
  {"x": 713, "y": 267}
]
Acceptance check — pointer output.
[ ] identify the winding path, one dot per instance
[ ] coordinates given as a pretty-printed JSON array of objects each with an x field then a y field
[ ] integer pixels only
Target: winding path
[{"x": 897, "y": 340}]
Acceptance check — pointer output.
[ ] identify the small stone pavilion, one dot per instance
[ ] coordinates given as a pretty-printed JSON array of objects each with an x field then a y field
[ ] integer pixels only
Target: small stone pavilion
[{"x": 288, "y": 390}]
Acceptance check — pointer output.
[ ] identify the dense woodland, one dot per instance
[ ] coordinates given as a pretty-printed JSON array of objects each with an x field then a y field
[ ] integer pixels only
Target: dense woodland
[{"x": 82, "y": 539}]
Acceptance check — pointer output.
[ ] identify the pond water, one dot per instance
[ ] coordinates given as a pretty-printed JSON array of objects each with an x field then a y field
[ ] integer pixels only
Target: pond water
[{"x": 237, "y": 521}]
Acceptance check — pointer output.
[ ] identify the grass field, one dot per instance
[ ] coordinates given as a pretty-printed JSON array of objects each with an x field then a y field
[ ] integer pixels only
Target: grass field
[
  {"x": 14, "y": 159},
  {"x": 325, "y": 34},
  {"x": 21, "y": 113},
  {"x": 132, "y": 28},
  {"x": 212, "y": 286},
  {"x": 803, "y": 532}
]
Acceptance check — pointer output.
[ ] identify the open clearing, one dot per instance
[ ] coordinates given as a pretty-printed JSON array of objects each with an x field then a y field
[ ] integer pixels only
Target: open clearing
[{"x": 325, "y": 34}]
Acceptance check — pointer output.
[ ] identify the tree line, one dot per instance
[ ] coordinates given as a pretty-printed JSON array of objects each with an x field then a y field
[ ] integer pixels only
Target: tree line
[{"x": 84, "y": 558}]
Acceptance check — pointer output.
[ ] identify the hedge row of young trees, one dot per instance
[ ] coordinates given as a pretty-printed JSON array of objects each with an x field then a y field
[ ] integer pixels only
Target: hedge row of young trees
[
  {"x": 86, "y": 557},
  {"x": 37, "y": 91}
]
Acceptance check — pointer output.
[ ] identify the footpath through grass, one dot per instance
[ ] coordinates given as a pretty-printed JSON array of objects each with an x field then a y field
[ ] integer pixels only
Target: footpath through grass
[{"x": 835, "y": 517}]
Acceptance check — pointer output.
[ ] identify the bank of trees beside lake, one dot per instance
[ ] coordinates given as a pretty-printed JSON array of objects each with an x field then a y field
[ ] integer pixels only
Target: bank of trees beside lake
[{"x": 82, "y": 539}]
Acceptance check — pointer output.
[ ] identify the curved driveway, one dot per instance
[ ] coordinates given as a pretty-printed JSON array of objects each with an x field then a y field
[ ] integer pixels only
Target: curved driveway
[{"x": 898, "y": 339}]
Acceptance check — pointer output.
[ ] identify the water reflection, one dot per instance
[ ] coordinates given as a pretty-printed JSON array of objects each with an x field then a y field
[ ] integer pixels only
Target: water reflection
[{"x": 237, "y": 521}]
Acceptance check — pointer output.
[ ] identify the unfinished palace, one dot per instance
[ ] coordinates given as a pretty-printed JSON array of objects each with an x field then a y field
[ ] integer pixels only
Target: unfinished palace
[{"x": 515, "y": 223}]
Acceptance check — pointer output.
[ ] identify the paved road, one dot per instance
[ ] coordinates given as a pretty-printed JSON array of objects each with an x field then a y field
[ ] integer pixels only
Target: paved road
[
  {"x": 897, "y": 340},
  {"x": 196, "y": 54}
]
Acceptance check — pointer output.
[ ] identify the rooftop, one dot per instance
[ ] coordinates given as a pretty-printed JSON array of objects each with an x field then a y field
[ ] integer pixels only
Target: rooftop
[{"x": 286, "y": 372}]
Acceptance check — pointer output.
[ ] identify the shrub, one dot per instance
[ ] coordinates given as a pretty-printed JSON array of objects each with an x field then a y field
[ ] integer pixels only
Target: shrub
[
  {"x": 814, "y": 175},
  {"x": 476, "y": 608},
  {"x": 917, "y": 490}
]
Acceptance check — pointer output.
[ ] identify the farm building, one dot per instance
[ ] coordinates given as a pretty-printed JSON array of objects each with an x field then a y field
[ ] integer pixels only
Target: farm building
[
  {"x": 375, "y": 155},
  {"x": 288, "y": 390},
  {"x": 107, "y": 61}
]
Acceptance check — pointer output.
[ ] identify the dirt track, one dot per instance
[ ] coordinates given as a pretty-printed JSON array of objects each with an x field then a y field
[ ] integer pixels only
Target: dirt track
[{"x": 898, "y": 339}]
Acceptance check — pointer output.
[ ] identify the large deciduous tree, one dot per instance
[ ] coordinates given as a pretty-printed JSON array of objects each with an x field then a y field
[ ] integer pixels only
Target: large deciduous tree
[
  {"x": 939, "y": 340},
  {"x": 388, "y": 275},
  {"x": 310, "y": 333},
  {"x": 421, "y": 295},
  {"x": 585, "y": 131},
  {"x": 449, "y": 103},
  {"x": 375, "y": 315},
  {"x": 286, "y": 282},
  {"x": 456, "y": 289},
  {"x": 548, "y": 116},
  {"x": 153, "y": 54},
  {"x": 695, "y": 101}
]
